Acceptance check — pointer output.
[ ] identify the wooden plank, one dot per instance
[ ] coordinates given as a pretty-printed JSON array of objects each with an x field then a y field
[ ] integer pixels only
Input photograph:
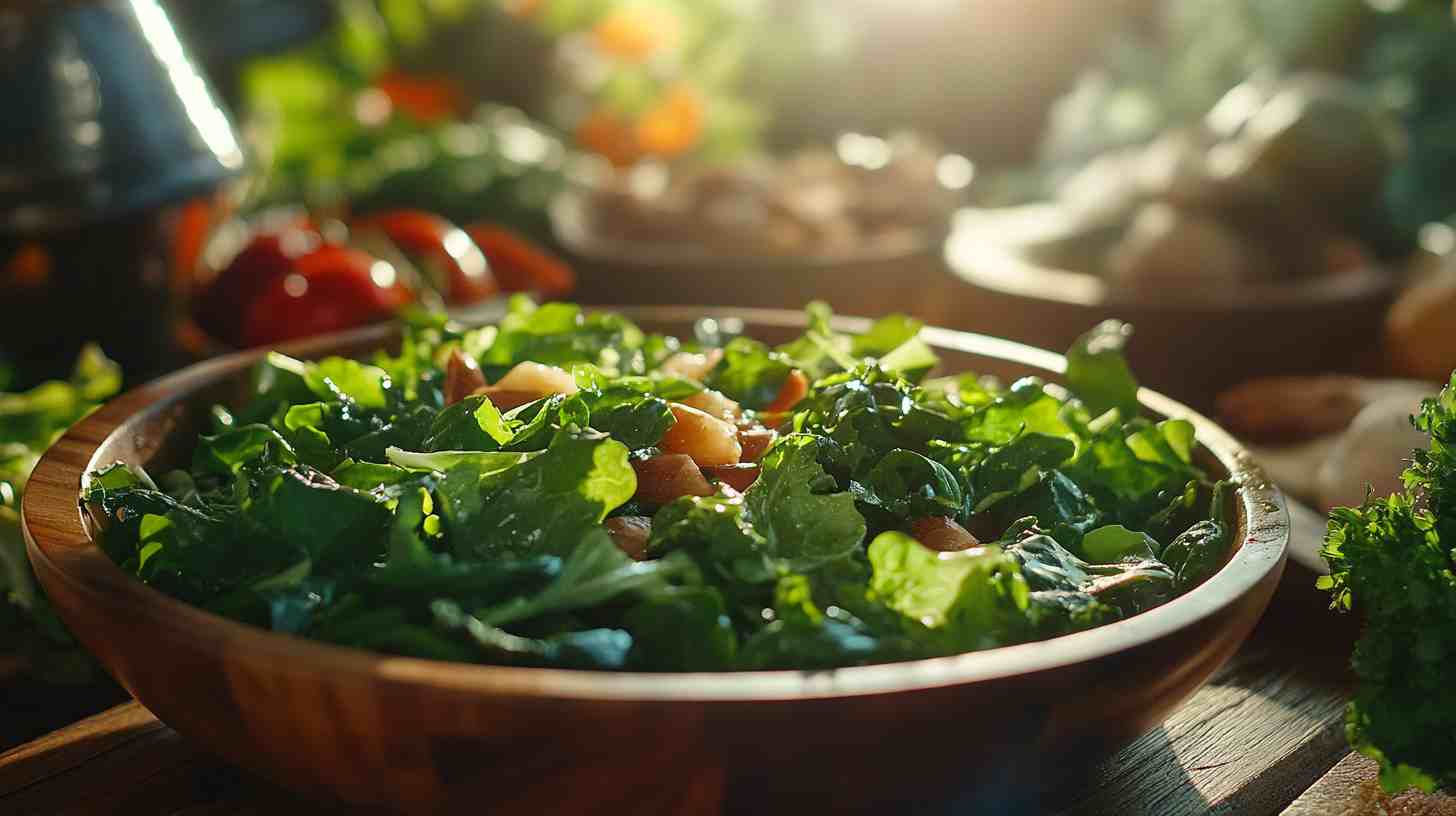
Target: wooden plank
[
  {"x": 1351, "y": 789},
  {"x": 74, "y": 745},
  {"x": 125, "y": 762}
]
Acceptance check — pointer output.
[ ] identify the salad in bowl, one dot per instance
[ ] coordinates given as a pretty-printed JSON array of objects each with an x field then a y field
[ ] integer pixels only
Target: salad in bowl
[{"x": 566, "y": 490}]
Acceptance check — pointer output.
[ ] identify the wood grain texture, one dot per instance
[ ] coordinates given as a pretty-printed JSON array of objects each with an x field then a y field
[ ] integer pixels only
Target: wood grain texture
[
  {"x": 1351, "y": 789},
  {"x": 431, "y": 736}
]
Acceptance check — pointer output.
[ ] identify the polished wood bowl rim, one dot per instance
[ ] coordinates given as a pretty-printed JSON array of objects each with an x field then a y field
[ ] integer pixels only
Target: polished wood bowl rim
[{"x": 58, "y": 535}]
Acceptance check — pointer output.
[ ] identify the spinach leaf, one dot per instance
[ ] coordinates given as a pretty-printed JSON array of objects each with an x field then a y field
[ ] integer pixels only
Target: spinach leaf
[
  {"x": 867, "y": 413},
  {"x": 544, "y": 505},
  {"x": 636, "y": 420},
  {"x": 1098, "y": 373},
  {"x": 587, "y": 649},
  {"x": 682, "y": 629},
  {"x": 1198, "y": 552},
  {"x": 1128, "y": 587},
  {"x": 473, "y": 423},
  {"x": 971, "y": 599},
  {"x": 794, "y": 505},
  {"x": 334, "y": 378},
  {"x": 561, "y": 334},
  {"x": 715, "y": 531},
  {"x": 750, "y": 372},
  {"x": 482, "y": 463},
  {"x": 1114, "y": 542},
  {"x": 594, "y": 573},
  {"x": 908, "y": 485},
  {"x": 1017, "y": 466},
  {"x": 226, "y": 453},
  {"x": 886, "y": 335},
  {"x": 326, "y": 520}
]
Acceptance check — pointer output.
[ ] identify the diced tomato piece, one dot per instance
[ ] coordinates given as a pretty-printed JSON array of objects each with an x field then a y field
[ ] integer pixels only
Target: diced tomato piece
[
  {"x": 942, "y": 534},
  {"x": 668, "y": 476},
  {"x": 794, "y": 389},
  {"x": 755, "y": 442},
  {"x": 739, "y": 476},
  {"x": 630, "y": 534}
]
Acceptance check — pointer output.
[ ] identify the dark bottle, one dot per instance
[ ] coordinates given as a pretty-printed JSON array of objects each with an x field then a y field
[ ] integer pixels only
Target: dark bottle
[{"x": 110, "y": 131}]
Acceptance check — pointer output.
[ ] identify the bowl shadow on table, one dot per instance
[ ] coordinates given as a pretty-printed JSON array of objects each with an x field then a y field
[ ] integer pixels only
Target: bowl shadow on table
[
  {"x": 1180, "y": 794},
  {"x": 32, "y": 707}
]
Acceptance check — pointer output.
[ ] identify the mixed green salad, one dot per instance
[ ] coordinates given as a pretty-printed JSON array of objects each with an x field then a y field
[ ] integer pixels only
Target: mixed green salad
[
  {"x": 614, "y": 499},
  {"x": 29, "y": 422}
]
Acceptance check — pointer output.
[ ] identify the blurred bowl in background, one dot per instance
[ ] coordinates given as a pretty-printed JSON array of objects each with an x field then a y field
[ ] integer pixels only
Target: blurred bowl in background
[
  {"x": 905, "y": 275},
  {"x": 1191, "y": 341},
  {"x": 858, "y": 223}
]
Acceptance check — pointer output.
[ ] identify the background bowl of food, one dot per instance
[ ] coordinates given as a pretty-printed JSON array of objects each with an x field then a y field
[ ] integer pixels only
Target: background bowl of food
[
  {"x": 859, "y": 226},
  {"x": 371, "y": 727},
  {"x": 1249, "y": 234}
]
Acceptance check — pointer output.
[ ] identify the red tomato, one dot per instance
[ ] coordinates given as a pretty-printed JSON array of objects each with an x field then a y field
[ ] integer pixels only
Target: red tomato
[
  {"x": 520, "y": 265},
  {"x": 327, "y": 290},
  {"x": 221, "y": 308},
  {"x": 441, "y": 250}
]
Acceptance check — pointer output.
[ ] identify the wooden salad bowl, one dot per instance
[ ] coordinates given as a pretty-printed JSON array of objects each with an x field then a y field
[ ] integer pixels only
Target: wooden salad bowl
[{"x": 426, "y": 736}]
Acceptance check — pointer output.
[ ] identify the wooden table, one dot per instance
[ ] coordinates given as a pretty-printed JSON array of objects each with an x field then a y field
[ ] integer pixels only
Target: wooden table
[{"x": 1265, "y": 736}]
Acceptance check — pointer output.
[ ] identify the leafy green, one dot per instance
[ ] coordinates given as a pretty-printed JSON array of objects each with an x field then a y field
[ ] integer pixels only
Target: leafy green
[
  {"x": 973, "y": 599},
  {"x": 1098, "y": 373},
  {"x": 717, "y": 531},
  {"x": 1126, "y": 587},
  {"x": 795, "y": 506},
  {"x": 750, "y": 372},
  {"x": 892, "y": 340},
  {"x": 544, "y": 505},
  {"x": 473, "y": 423},
  {"x": 909, "y": 485},
  {"x": 682, "y": 629},
  {"x": 595, "y": 572},
  {"x": 1114, "y": 542},
  {"x": 636, "y": 419},
  {"x": 1392, "y": 561}
]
